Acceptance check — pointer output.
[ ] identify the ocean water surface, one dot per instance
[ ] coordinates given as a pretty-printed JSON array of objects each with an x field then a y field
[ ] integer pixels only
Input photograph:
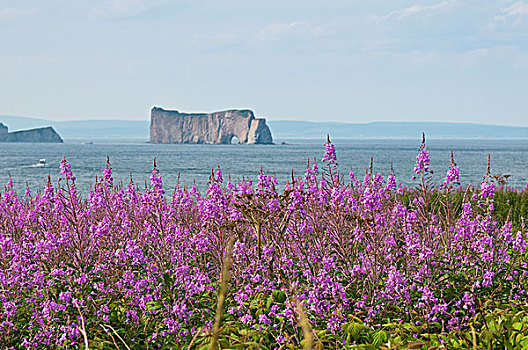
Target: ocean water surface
[{"x": 193, "y": 163}]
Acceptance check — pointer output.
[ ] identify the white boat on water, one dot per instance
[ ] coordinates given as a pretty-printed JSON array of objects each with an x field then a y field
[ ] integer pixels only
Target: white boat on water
[{"x": 42, "y": 161}]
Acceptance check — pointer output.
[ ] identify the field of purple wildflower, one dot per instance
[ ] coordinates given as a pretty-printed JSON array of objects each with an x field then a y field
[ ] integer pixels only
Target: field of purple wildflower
[{"x": 330, "y": 260}]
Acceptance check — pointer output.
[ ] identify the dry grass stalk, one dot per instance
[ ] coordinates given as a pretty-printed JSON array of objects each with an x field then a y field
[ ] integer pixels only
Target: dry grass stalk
[
  {"x": 83, "y": 328},
  {"x": 111, "y": 336},
  {"x": 305, "y": 326},
  {"x": 113, "y": 330},
  {"x": 224, "y": 281}
]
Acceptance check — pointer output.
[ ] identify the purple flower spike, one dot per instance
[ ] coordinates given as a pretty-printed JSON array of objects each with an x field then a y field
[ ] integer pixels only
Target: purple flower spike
[
  {"x": 452, "y": 176},
  {"x": 330, "y": 154},
  {"x": 422, "y": 160},
  {"x": 218, "y": 175},
  {"x": 107, "y": 172},
  {"x": 65, "y": 169},
  {"x": 487, "y": 189}
]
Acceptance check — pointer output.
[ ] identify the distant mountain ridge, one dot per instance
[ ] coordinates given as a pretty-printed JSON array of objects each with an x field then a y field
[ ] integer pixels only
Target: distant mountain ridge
[
  {"x": 309, "y": 130},
  {"x": 139, "y": 130}
]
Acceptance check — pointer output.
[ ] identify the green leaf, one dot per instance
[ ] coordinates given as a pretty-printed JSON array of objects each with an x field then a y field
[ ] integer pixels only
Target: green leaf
[
  {"x": 354, "y": 329},
  {"x": 493, "y": 326},
  {"x": 269, "y": 302},
  {"x": 396, "y": 340},
  {"x": 348, "y": 339},
  {"x": 415, "y": 345},
  {"x": 486, "y": 335},
  {"x": 379, "y": 338},
  {"x": 252, "y": 343},
  {"x": 523, "y": 342},
  {"x": 279, "y": 296},
  {"x": 322, "y": 333},
  {"x": 414, "y": 329}
]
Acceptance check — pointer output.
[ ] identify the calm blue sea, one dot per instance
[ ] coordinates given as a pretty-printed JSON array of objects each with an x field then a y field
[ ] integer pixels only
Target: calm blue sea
[{"x": 194, "y": 162}]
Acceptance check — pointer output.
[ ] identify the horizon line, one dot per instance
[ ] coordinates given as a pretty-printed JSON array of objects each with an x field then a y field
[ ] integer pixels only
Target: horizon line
[{"x": 282, "y": 120}]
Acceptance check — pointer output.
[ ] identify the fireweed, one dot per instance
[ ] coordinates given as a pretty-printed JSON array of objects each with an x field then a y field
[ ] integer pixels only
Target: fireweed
[{"x": 141, "y": 266}]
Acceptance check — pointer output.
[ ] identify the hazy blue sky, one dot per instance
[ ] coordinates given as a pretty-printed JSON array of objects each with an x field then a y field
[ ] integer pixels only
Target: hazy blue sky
[{"x": 328, "y": 60}]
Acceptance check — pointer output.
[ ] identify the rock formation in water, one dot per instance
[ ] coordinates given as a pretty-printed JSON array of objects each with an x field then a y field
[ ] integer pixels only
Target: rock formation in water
[
  {"x": 47, "y": 134},
  {"x": 214, "y": 128}
]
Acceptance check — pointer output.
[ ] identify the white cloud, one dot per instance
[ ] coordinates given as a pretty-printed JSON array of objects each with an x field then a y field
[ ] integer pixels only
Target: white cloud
[
  {"x": 12, "y": 13},
  {"x": 275, "y": 31},
  {"x": 520, "y": 8},
  {"x": 123, "y": 8},
  {"x": 218, "y": 37},
  {"x": 517, "y": 10},
  {"x": 416, "y": 9}
]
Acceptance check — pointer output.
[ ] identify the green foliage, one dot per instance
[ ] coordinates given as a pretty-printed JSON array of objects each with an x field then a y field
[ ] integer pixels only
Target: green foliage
[
  {"x": 513, "y": 205},
  {"x": 509, "y": 204}
]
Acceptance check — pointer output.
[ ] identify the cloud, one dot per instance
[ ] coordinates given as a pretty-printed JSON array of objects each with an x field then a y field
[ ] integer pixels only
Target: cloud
[
  {"x": 413, "y": 10},
  {"x": 217, "y": 37},
  {"x": 297, "y": 31},
  {"x": 124, "y": 8},
  {"x": 277, "y": 31},
  {"x": 518, "y": 10},
  {"x": 12, "y": 13}
]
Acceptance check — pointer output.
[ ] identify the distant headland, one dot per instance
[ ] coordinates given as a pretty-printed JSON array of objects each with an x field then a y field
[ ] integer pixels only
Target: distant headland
[
  {"x": 45, "y": 134},
  {"x": 208, "y": 128}
]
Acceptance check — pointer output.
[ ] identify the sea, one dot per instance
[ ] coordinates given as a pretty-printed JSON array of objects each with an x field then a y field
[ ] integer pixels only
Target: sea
[{"x": 184, "y": 165}]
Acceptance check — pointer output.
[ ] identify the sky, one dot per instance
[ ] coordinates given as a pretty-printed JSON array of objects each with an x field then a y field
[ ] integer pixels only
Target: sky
[{"x": 328, "y": 60}]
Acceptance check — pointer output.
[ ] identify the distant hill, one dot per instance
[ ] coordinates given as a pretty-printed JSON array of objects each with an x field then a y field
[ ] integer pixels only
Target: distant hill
[
  {"x": 310, "y": 130},
  {"x": 140, "y": 130},
  {"x": 85, "y": 129}
]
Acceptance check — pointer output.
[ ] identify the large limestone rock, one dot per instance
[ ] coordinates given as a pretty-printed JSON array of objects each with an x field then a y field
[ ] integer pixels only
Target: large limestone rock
[
  {"x": 214, "y": 128},
  {"x": 47, "y": 134}
]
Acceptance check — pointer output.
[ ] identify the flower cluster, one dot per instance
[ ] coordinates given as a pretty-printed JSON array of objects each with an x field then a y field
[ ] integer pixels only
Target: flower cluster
[
  {"x": 452, "y": 176},
  {"x": 330, "y": 153},
  {"x": 65, "y": 169},
  {"x": 148, "y": 265},
  {"x": 422, "y": 160}
]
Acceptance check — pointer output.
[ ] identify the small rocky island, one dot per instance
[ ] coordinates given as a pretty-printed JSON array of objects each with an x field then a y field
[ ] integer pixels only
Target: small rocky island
[
  {"x": 47, "y": 134},
  {"x": 208, "y": 128}
]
